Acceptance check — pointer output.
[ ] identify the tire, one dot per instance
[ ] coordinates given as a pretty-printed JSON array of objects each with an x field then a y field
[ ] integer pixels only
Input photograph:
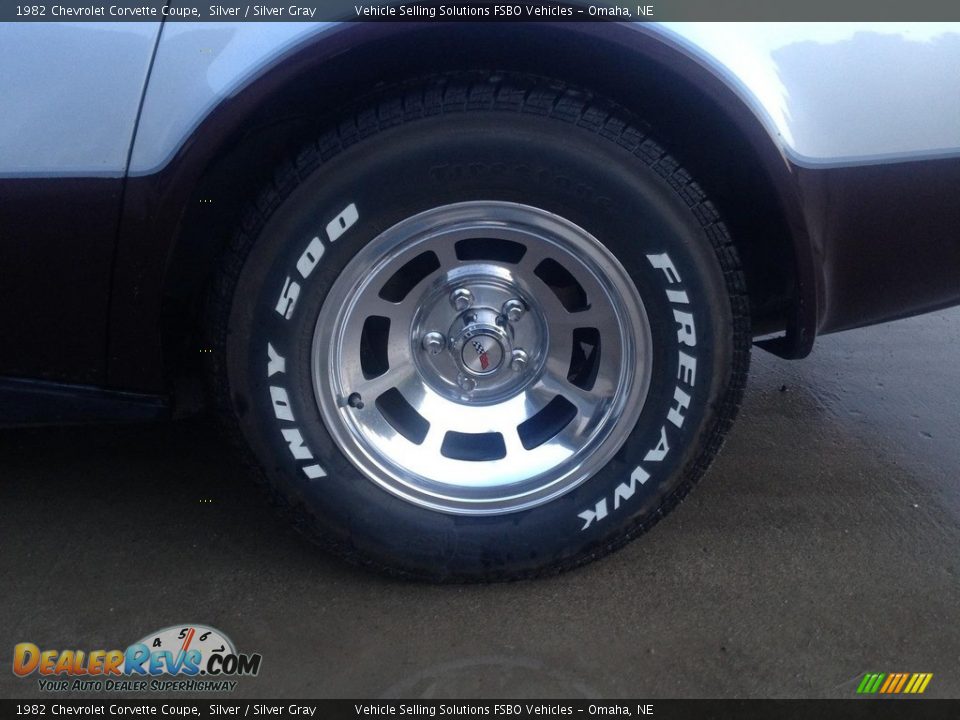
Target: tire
[{"x": 468, "y": 167}]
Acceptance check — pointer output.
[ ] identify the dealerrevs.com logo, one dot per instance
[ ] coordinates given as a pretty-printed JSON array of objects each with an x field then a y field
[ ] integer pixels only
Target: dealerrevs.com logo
[{"x": 187, "y": 658}]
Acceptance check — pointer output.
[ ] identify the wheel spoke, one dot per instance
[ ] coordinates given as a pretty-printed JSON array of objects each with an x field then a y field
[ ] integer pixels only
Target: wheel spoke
[
  {"x": 567, "y": 322},
  {"x": 445, "y": 250},
  {"x": 537, "y": 251},
  {"x": 480, "y": 351},
  {"x": 398, "y": 340},
  {"x": 434, "y": 440},
  {"x": 553, "y": 383},
  {"x": 402, "y": 378}
]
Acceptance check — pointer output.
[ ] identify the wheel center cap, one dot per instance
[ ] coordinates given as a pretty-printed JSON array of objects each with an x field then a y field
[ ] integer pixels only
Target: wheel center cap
[{"x": 482, "y": 354}]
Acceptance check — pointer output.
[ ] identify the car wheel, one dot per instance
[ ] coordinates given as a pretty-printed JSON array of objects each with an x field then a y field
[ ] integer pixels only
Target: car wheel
[{"x": 483, "y": 328}]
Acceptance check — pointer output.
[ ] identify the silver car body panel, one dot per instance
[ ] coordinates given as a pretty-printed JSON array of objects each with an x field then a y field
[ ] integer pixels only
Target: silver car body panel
[
  {"x": 839, "y": 93},
  {"x": 827, "y": 93},
  {"x": 81, "y": 119}
]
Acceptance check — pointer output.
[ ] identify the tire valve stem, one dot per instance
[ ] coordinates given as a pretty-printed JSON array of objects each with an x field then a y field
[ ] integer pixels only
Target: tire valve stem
[{"x": 355, "y": 401}]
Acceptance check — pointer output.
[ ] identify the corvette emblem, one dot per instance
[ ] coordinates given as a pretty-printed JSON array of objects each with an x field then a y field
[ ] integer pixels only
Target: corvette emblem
[{"x": 482, "y": 354}]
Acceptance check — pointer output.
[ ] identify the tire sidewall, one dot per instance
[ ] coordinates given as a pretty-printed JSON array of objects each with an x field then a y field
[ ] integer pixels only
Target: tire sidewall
[{"x": 616, "y": 196}]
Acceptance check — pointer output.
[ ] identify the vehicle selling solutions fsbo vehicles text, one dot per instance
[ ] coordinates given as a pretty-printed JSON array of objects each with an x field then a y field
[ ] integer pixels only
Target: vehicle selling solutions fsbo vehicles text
[{"x": 498, "y": 11}]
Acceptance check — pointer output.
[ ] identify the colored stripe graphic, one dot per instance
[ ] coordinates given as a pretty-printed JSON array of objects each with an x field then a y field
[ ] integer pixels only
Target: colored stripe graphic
[
  {"x": 870, "y": 683},
  {"x": 918, "y": 683},
  {"x": 892, "y": 679},
  {"x": 894, "y": 683}
]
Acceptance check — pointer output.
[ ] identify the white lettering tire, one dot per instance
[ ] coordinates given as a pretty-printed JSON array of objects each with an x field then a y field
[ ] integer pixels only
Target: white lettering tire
[{"x": 483, "y": 329}]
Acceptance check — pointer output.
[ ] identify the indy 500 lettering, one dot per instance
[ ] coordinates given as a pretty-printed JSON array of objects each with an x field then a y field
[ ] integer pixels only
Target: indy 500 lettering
[
  {"x": 311, "y": 257},
  {"x": 686, "y": 379},
  {"x": 277, "y": 363}
]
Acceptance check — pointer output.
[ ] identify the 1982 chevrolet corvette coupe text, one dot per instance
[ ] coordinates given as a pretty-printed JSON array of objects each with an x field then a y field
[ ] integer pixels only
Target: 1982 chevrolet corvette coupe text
[{"x": 476, "y": 299}]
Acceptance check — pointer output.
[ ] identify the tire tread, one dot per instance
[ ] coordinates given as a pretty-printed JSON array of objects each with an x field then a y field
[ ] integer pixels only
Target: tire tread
[{"x": 472, "y": 92}]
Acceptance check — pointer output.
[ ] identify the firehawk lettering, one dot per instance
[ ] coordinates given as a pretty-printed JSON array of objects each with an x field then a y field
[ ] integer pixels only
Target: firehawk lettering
[{"x": 686, "y": 375}]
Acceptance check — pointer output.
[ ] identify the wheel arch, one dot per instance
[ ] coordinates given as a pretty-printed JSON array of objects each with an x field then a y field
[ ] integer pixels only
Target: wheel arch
[{"x": 177, "y": 219}]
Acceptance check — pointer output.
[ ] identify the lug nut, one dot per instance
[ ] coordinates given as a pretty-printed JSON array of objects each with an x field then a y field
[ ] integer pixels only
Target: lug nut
[
  {"x": 461, "y": 299},
  {"x": 518, "y": 361},
  {"x": 514, "y": 309},
  {"x": 466, "y": 383},
  {"x": 433, "y": 342}
]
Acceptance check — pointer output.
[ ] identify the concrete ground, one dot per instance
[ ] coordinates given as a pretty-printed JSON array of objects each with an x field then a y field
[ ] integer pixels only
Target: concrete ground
[{"x": 822, "y": 545}]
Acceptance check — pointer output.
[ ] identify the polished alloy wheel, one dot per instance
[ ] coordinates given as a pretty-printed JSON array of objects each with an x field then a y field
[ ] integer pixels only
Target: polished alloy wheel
[
  {"x": 484, "y": 327},
  {"x": 481, "y": 357}
]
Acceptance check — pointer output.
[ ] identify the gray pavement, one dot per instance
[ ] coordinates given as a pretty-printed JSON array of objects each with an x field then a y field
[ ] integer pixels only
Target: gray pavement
[{"x": 822, "y": 544}]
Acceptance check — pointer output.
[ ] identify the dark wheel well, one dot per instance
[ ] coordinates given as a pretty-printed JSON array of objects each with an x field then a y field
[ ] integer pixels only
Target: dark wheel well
[{"x": 693, "y": 125}]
